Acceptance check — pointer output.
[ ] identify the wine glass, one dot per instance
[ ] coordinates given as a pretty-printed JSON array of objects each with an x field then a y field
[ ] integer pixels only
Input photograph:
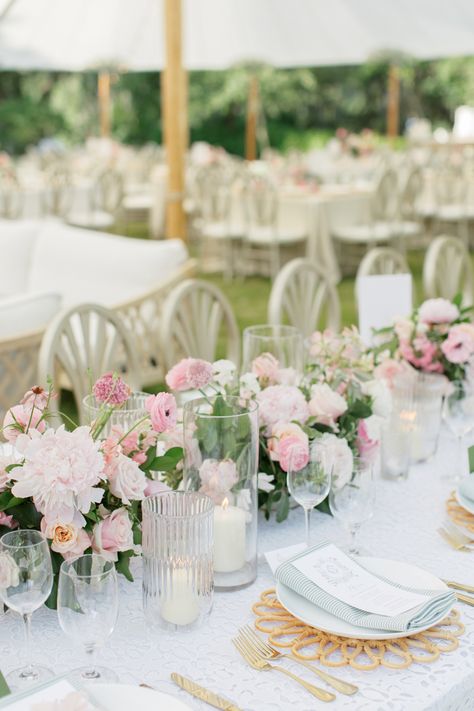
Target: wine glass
[
  {"x": 458, "y": 413},
  {"x": 351, "y": 500},
  {"x": 88, "y": 608},
  {"x": 310, "y": 484},
  {"x": 26, "y": 581}
]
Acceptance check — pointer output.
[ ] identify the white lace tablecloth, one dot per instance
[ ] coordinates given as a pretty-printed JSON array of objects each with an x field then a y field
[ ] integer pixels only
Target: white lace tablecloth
[{"x": 404, "y": 527}]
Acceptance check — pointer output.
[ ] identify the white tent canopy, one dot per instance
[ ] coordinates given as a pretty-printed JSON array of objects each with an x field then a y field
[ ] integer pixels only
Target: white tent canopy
[{"x": 77, "y": 35}]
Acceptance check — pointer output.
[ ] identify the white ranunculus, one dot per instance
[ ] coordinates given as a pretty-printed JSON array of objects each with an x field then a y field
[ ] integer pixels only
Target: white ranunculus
[
  {"x": 223, "y": 372},
  {"x": 339, "y": 454},
  {"x": 9, "y": 571},
  {"x": 381, "y": 396}
]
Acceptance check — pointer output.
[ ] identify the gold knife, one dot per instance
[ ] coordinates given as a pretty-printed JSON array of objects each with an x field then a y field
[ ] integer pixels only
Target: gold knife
[
  {"x": 459, "y": 586},
  {"x": 468, "y": 599},
  {"x": 201, "y": 693}
]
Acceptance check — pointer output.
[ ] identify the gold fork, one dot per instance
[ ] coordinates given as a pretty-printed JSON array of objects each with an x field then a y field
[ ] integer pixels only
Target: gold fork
[
  {"x": 256, "y": 661},
  {"x": 266, "y": 651}
]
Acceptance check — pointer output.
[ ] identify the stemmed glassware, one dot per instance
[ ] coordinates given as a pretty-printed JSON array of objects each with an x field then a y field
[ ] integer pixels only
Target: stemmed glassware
[
  {"x": 310, "y": 485},
  {"x": 88, "y": 608},
  {"x": 26, "y": 580},
  {"x": 352, "y": 500},
  {"x": 458, "y": 413}
]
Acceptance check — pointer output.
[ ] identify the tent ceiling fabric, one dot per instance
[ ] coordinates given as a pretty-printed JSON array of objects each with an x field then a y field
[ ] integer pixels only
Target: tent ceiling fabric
[{"x": 78, "y": 35}]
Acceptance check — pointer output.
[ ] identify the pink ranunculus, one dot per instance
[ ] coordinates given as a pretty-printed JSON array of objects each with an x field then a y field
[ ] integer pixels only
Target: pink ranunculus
[
  {"x": 111, "y": 389},
  {"x": 163, "y": 411},
  {"x": 126, "y": 480},
  {"x": 294, "y": 453},
  {"x": 155, "y": 487},
  {"x": 365, "y": 444},
  {"x": 281, "y": 403},
  {"x": 61, "y": 473},
  {"x": 388, "y": 370},
  {"x": 68, "y": 539},
  {"x": 37, "y": 396},
  {"x": 217, "y": 478},
  {"x": 113, "y": 535},
  {"x": 266, "y": 368},
  {"x": 7, "y": 521},
  {"x": 438, "y": 311},
  {"x": 279, "y": 433},
  {"x": 22, "y": 419},
  {"x": 190, "y": 374},
  {"x": 459, "y": 345},
  {"x": 326, "y": 405}
]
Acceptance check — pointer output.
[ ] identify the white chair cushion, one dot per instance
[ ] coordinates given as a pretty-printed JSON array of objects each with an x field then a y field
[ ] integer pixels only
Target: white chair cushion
[
  {"x": 16, "y": 246},
  {"x": 379, "y": 231},
  {"x": 84, "y": 265},
  {"x": 27, "y": 313},
  {"x": 97, "y": 219},
  {"x": 452, "y": 212}
]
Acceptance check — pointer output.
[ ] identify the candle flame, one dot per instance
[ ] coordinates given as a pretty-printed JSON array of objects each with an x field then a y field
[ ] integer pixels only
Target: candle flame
[
  {"x": 225, "y": 503},
  {"x": 408, "y": 415}
]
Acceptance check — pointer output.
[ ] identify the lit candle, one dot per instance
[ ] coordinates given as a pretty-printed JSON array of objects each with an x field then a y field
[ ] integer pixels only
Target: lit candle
[
  {"x": 180, "y": 606},
  {"x": 229, "y": 538}
]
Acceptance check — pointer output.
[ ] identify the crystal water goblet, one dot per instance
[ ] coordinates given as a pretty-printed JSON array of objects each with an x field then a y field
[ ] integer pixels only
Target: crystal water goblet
[
  {"x": 352, "y": 500},
  {"x": 458, "y": 413}
]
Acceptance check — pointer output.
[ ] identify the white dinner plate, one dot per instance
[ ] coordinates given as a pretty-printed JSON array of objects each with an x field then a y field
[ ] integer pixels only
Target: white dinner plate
[
  {"x": 393, "y": 570},
  {"x": 124, "y": 697},
  {"x": 463, "y": 501}
]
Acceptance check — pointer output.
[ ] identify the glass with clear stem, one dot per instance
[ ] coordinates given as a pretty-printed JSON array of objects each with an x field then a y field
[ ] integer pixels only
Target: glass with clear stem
[
  {"x": 352, "y": 499},
  {"x": 26, "y": 580},
  {"x": 310, "y": 485},
  {"x": 458, "y": 413},
  {"x": 88, "y": 608}
]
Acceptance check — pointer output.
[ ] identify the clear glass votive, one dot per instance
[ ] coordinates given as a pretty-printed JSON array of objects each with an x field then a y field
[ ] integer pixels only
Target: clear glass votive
[
  {"x": 124, "y": 417},
  {"x": 396, "y": 442},
  {"x": 177, "y": 549},
  {"x": 285, "y": 343}
]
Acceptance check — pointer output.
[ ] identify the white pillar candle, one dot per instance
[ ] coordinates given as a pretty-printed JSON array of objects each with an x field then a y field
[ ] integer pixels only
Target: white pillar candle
[
  {"x": 180, "y": 606},
  {"x": 229, "y": 538}
]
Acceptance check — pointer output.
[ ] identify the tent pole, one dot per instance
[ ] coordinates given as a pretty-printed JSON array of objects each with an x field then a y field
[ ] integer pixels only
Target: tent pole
[
  {"x": 252, "y": 119},
  {"x": 103, "y": 94},
  {"x": 174, "y": 119},
  {"x": 393, "y": 101}
]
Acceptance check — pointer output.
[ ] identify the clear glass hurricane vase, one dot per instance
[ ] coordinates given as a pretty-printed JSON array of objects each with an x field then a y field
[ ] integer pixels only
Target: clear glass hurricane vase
[
  {"x": 124, "y": 417},
  {"x": 221, "y": 440},
  {"x": 26, "y": 581},
  {"x": 285, "y": 343}
]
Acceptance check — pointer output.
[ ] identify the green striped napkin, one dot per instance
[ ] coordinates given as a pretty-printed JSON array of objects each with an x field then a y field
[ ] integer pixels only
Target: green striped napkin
[
  {"x": 423, "y": 615},
  {"x": 4, "y": 690}
]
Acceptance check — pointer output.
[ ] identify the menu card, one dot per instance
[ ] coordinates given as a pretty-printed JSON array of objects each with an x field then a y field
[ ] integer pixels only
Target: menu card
[{"x": 340, "y": 576}]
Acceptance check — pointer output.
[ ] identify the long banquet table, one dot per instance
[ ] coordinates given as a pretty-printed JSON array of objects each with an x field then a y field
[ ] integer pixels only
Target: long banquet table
[{"x": 404, "y": 527}]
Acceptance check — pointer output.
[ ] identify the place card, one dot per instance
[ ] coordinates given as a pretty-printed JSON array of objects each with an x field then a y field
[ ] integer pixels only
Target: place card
[
  {"x": 340, "y": 576},
  {"x": 281, "y": 555},
  {"x": 381, "y": 299}
]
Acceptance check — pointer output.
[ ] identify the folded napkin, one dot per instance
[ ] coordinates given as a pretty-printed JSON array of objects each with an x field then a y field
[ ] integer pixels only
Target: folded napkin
[{"x": 424, "y": 615}]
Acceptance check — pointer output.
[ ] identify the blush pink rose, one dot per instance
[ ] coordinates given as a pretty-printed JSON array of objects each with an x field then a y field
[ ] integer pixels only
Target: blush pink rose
[
  {"x": 326, "y": 405},
  {"x": 126, "y": 480},
  {"x": 111, "y": 389},
  {"x": 113, "y": 535},
  {"x": 163, "y": 411},
  {"x": 365, "y": 444},
  {"x": 279, "y": 433},
  {"x": 266, "y": 369},
  {"x": 22, "y": 419},
  {"x": 190, "y": 374},
  {"x": 459, "y": 345},
  {"x": 294, "y": 453},
  {"x": 438, "y": 311}
]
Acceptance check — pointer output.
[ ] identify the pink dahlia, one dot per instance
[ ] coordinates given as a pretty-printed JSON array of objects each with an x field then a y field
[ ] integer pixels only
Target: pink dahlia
[{"x": 111, "y": 389}]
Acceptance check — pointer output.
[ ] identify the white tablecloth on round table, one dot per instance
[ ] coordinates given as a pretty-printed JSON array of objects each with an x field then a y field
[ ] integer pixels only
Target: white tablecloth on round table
[{"x": 404, "y": 527}]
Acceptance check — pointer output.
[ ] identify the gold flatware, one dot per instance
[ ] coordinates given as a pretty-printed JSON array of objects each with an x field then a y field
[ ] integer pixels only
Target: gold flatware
[
  {"x": 266, "y": 651},
  {"x": 459, "y": 586},
  {"x": 249, "y": 655},
  {"x": 199, "y": 692},
  {"x": 467, "y": 599}
]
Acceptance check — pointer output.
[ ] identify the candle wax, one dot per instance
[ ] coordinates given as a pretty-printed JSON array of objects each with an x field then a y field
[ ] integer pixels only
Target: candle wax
[
  {"x": 229, "y": 539},
  {"x": 180, "y": 606}
]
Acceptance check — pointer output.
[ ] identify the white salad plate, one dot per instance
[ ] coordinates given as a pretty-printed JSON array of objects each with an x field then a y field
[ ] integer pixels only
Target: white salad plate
[
  {"x": 393, "y": 570},
  {"x": 124, "y": 697}
]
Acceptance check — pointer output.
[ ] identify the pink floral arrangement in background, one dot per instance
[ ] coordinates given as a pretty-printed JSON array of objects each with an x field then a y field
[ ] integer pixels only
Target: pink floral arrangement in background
[{"x": 81, "y": 489}]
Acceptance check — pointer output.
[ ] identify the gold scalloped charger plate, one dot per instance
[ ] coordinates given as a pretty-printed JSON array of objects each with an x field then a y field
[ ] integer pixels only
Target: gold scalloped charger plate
[{"x": 394, "y": 570}]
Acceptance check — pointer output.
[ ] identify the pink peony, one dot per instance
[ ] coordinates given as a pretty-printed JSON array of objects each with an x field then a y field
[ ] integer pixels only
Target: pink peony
[
  {"x": 113, "y": 534},
  {"x": 126, "y": 480},
  {"x": 163, "y": 411},
  {"x": 279, "y": 433},
  {"x": 22, "y": 419},
  {"x": 7, "y": 521},
  {"x": 326, "y": 405},
  {"x": 155, "y": 487},
  {"x": 218, "y": 478},
  {"x": 367, "y": 447},
  {"x": 66, "y": 538},
  {"x": 111, "y": 389},
  {"x": 294, "y": 453},
  {"x": 190, "y": 374},
  {"x": 61, "y": 472},
  {"x": 438, "y": 311},
  {"x": 266, "y": 369},
  {"x": 281, "y": 403},
  {"x": 459, "y": 345}
]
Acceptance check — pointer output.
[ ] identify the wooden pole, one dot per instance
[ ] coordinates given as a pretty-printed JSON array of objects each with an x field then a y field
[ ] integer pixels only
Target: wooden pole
[
  {"x": 252, "y": 120},
  {"x": 393, "y": 101},
  {"x": 174, "y": 114},
  {"x": 103, "y": 94}
]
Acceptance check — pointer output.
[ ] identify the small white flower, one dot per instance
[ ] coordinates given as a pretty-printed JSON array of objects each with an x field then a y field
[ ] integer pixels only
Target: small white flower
[
  {"x": 223, "y": 372},
  {"x": 265, "y": 482},
  {"x": 249, "y": 386}
]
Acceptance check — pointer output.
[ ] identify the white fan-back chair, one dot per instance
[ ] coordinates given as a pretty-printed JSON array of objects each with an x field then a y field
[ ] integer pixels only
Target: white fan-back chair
[
  {"x": 18, "y": 368},
  {"x": 301, "y": 296},
  {"x": 447, "y": 270},
  {"x": 57, "y": 198},
  {"x": 451, "y": 197},
  {"x": 81, "y": 344},
  {"x": 408, "y": 224},
  {"x": 102, "y": 212},
  {"x": 196, "y": 319}
]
